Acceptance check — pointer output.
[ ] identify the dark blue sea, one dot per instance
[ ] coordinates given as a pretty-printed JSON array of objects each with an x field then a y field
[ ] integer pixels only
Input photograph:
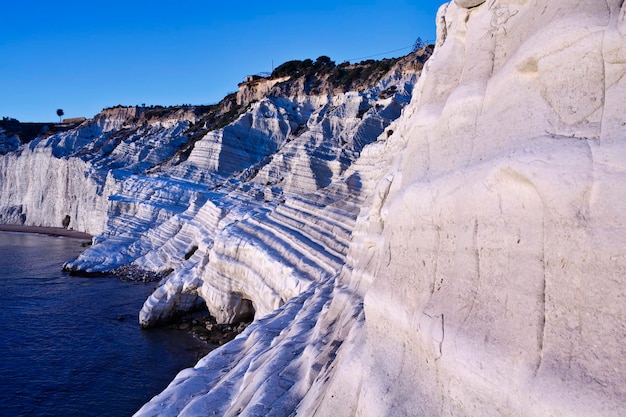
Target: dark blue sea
[{"x": 72, "y": 346}]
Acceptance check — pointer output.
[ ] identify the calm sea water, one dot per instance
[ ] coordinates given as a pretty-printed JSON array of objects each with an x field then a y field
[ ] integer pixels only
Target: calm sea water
[{"x": 63, "y": 351}]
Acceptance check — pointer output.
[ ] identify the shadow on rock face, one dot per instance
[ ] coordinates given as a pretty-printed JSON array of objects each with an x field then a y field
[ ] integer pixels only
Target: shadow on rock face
[
  {"x": 321, "y": 172},
  {"x": 354, "y": 182}
]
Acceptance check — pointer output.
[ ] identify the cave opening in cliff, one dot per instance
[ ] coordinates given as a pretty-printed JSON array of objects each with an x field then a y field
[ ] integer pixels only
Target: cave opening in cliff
[{"x": 245, "y": 311}]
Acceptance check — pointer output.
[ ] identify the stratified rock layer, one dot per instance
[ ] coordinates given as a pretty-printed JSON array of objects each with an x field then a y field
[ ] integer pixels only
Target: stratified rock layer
[{"x": 484, "y": 274}]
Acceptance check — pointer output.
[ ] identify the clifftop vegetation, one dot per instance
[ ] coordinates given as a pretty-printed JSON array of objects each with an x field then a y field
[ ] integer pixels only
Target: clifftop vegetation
[
  {"x": 26, "y": 132},
  {"x": 324, "y": 76}
]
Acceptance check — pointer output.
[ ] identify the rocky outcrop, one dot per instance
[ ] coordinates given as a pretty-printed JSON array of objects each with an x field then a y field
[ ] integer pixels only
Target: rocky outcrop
[
  {"x": 38, "y": 189},
  {"x": 68, "y": 178},
  {"x": 282, "y": 223},
  {"x": 256, "y": 88},
  {"x": 491, "y": 274}
]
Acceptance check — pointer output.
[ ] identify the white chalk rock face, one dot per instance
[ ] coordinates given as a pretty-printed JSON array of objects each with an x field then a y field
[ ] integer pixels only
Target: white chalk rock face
[
  {"x": 282, "y": 222},
  {"x": 492, "y": 259},
  {"x": 38, "y": 188},
  {"x": 69, "y": 179}
]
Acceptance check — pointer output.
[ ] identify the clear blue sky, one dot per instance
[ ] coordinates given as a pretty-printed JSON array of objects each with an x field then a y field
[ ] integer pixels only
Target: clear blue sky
[{"x": 82, "y": 56}]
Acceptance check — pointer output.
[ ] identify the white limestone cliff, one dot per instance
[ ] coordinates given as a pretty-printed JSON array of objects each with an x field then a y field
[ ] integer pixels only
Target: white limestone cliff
[
  {"x": 485, "y": 273},
  {"x": 281, "y": 226},
  {"x": 37, "y": 188},
  {"x": 493, "y": 282},
  {"x": 69, "y": 179}
]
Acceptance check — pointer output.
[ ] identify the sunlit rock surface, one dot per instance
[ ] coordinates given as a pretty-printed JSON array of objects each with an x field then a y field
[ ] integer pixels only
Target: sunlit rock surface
[
  {"x": 484, "y": 274},
  {"x": 491, "y": 260}
]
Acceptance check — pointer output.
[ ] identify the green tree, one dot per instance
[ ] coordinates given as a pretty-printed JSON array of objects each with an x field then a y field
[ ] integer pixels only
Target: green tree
[
  {"x": 323, "y": 60},
  {"x": 60, "y": 113}
]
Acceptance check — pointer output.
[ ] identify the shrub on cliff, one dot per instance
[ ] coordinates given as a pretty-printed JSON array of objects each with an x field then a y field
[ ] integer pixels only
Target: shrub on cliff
[{"x": 297, "y": 68}]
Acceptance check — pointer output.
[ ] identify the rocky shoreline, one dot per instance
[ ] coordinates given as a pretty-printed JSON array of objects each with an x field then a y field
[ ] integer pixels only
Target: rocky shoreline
[
  {"x": 204, "y": 327},
  {"x": 126, "y": 273}
]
